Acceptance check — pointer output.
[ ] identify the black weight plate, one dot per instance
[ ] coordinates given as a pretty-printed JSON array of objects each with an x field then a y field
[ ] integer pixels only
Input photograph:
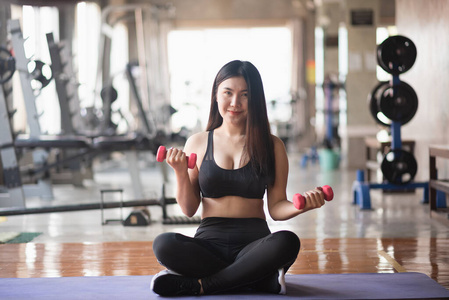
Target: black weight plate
[
  {"x": 41, "y": 73},
  {"x": 396, "y": 55},
  {"x": 398, "y": 102},
  {"x": 109, "y": 92},
  {"x": 7, "y": 65},
  {"x": 374, "y": 108},
  {"x": 399, "y": 166}
]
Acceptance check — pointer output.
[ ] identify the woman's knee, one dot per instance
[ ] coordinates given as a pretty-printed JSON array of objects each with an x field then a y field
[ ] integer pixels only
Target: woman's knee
[
  {"x": 164, "y": 243},
  {"x": 289, "y": 242}
]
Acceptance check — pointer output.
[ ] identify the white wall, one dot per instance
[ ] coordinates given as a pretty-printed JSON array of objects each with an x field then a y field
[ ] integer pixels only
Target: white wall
[{"x": 426, "y": 23}]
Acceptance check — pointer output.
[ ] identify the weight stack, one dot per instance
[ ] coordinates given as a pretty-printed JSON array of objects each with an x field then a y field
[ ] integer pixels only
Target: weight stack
[{"x": 393, "y": 104}]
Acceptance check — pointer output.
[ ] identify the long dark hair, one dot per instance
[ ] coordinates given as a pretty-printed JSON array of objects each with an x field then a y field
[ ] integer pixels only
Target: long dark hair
[{"x": 259, "y": 145}]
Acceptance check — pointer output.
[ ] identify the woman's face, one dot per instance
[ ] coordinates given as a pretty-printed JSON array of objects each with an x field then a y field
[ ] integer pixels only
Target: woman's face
[{"x": 232, "y": 100}]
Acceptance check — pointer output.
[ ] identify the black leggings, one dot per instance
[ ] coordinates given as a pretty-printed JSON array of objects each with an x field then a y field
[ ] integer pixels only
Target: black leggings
[{"x": 228, "y": 254}]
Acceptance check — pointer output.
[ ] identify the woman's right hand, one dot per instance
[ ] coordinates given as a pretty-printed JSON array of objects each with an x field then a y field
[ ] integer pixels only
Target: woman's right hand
[{"x": 177, "y": 159}]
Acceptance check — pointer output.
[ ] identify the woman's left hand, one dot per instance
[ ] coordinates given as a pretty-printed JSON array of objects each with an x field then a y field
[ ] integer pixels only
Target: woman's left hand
[{"x": 313, "y": 199}]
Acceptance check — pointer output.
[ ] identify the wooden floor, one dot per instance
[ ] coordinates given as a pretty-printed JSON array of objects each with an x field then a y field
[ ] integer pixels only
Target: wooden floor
[{"x": 352, "y": 255}]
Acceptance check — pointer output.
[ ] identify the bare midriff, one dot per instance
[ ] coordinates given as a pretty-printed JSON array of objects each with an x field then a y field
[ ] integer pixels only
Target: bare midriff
[{"x": 233, "y": 207}]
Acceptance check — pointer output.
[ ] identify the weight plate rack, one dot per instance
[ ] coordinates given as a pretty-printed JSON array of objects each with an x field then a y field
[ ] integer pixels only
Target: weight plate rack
[{"x": 393, "y": 104}]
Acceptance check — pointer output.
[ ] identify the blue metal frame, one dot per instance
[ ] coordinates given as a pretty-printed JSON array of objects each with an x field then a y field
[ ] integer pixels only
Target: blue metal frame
[
  {"x": 396, "y": 141},
  {"x": 361, "y": 190},
  {"x": 312, "y": 156}
]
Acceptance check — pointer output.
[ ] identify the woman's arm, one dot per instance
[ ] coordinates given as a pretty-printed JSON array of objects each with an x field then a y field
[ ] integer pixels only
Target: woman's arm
[
  {"x": 278, "y": 206},
  {"x": 187, "y": 191}
]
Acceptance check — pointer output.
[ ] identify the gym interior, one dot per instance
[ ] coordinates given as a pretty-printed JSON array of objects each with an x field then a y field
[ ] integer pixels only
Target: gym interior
[{"x": 356, "y": 89}]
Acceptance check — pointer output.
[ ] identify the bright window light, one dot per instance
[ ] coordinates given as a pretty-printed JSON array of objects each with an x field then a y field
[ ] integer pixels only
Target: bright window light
[
  {"x": 319, "y": 75},
  {"x": 195, "y": 56},
  {"x": 343, "y": 71},
  {"x": 342, "y": 53},
  {"x": 88, "y": 23}
]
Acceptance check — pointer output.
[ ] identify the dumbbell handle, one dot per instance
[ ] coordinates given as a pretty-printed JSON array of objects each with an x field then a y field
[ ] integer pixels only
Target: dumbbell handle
[
  {"x": 162, "y": 154},
  {"x": 300, "y": 202}
]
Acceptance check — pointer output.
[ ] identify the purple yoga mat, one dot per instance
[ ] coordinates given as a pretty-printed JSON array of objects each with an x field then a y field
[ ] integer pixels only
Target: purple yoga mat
[{"x": 311, "y": 286}]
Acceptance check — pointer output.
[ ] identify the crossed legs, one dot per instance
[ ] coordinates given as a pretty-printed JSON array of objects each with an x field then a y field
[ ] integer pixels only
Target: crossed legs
[{"x": 252, "y": 266}]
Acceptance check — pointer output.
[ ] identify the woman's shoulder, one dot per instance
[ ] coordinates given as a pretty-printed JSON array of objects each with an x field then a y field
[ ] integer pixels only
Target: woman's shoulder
[
  {"x": 198, "y": 137},
  {"x": 197, "y": 142},
  {"x": 279, "y": 146},
  {"x": 277, "y": 141}
]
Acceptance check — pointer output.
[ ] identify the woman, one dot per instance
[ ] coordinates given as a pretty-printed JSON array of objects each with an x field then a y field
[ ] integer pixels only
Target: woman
[{"x": 238, "y": 161}]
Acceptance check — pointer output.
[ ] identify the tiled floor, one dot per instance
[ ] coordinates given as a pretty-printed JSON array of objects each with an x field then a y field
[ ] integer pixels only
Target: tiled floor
[{"x": 397, "y": 235}]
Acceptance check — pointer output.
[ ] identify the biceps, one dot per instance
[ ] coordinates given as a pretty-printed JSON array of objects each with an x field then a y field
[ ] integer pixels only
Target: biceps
[
  {"x": 193, "y": 175},
  {"x": 277, "y": 192}
]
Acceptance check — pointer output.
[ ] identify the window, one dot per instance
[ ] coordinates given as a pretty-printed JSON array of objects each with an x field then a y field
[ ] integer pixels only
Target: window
[{"x": 195, "y": 56}]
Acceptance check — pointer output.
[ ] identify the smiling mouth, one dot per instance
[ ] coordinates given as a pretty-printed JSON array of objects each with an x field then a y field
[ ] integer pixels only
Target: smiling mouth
[{"x": 232, "y": 112}]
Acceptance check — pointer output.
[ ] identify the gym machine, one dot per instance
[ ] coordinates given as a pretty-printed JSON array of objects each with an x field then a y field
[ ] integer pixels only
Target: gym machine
[
  {"x": 13, "y": 200},
  {"x": 392, "y": 104},
  {"x": 14, "y": 196},
  {"x": 68, "y": 143},
  {"x": 43, "y": 186},
  {"x": 67, "y": 91}
]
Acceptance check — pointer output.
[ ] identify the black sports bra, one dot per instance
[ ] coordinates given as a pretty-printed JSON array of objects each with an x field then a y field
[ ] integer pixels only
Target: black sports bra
[{"x": 216, "y": 182}]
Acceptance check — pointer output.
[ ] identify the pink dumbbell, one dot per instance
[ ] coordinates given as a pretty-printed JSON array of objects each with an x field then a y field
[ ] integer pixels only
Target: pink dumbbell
[
  {"x": 162, "y": 154},
  {"x": 299, "y": 201}
]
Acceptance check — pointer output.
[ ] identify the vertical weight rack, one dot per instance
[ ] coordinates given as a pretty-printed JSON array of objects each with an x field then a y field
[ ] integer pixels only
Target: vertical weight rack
[{"x": 393, "y": 104}]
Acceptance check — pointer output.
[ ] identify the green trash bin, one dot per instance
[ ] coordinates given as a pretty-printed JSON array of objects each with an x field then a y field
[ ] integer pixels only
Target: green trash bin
[{"x": 329, "y": 159}]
